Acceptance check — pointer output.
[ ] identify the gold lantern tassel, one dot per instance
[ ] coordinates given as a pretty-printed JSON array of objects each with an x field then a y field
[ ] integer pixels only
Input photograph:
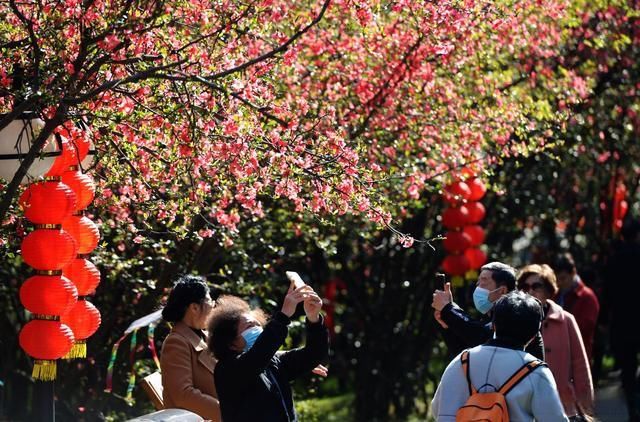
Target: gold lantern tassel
[
  {"x": 44, "y": 370},
  {"x": 78, "y": 351}
]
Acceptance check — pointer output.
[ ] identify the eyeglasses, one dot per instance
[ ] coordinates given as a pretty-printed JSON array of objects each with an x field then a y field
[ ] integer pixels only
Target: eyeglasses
[{"x": 534, "y": 286}]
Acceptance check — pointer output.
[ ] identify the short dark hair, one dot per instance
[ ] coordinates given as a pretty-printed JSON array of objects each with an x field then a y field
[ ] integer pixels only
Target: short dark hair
[
  {"x": 564, "y": 263},
  {"x": 187, "y": 290},
  {"x": 517, "y": 317},
  {"x": 223, "y": 324},
  {"x": 502, "y": 274}
]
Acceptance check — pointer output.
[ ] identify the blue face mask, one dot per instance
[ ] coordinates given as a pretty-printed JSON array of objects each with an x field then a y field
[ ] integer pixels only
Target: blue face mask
[
  {"x": 250, "y": 335},
  {"x": 481, "y": 299}
]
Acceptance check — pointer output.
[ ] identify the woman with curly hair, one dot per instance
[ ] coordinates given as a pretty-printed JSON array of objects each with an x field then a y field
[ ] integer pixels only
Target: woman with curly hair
[{"x": 252, "y": 378}]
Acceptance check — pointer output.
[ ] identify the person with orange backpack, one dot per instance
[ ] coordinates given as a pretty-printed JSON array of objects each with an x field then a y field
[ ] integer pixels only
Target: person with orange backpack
[{"x": 499, "y": 381}]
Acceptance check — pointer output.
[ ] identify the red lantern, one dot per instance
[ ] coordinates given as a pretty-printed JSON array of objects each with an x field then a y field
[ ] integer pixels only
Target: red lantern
[
  {"x": 455, "y": 217},
  {"x": 48, "y": 202},
  {"x": 83, "y": 319},
  {"x": 84, "y": 274},
  {"x": 82, "y": 185},
  {"x": 620, "y": 192},
  {"x": 455, "y": 265},
  {"x": 45, "y": 341},
  {"x": 620, "y": 209},
  {"x": 456, "y": 241},
  {"x": 476, "y": 258},
  {"x": 476, "y": 212},
  {"x": 48, "y": 294},
  {"x": 476, "y": 233},
  {"x": 477, "y": 188},
  {"x": 456, "y": 192},
  {"x": 48, "y": 249},
  {"x": 68, "y": 157},
  {"x": 84, "y": 232}
]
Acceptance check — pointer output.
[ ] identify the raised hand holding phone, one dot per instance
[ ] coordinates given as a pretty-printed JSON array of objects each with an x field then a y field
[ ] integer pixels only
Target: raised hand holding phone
[{"x": 295, "y": 279}]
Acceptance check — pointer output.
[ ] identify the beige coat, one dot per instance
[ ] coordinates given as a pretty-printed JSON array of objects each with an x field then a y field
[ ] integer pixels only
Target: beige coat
[{"x": 187, "y": 373}]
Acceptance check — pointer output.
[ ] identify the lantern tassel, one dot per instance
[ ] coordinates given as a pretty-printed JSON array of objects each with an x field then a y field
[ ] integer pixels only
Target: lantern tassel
[
  {"x": 44, "y": 370},
  {"x": 78, "y": 351}
]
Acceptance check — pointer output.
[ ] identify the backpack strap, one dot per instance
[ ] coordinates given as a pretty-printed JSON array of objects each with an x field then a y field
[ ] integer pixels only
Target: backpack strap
[
  {"x": 519, "y": 375},
  {"x": 464, "y": 359}
]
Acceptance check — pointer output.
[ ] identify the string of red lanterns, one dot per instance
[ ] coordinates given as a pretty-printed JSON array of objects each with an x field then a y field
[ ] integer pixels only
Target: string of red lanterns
[
  {"x": 83, "y": 318},
  {"x": 464, "y": 235},
  {"x": 48, "y": 294},
  {"x": 62, "y": 319}
]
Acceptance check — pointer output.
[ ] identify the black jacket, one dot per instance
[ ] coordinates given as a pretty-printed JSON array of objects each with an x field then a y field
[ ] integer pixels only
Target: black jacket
[
  {"x": 254, "y": 386},
  {"x": 465, "y": 332}
]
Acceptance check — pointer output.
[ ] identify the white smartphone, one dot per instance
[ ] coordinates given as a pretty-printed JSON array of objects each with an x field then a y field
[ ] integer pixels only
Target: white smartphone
[{"x": 295, "y": 279}]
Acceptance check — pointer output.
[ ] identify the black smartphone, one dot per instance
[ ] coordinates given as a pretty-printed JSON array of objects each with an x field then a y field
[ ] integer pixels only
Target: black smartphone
[{"x": 440, "y": 280}]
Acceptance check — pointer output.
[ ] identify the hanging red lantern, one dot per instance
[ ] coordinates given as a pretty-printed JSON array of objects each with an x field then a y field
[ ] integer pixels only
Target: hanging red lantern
[
  {"x": 82, "y": 185},
  {"x": 456, "y": 192},
  {"x": 83, "y": 319},
  {"x": 68, "y": 157},
  {"x": 84, "y": 274},
  {"x": 456, "y": 241},
  {"x": 477, "y": 188},
  {"x": 476, "y": 258},
  {"x": 620, "y": 209},
  {"x": 45, "y": 341},
  {"x": 48, "y": 249},
  {"x": 476, "y": 212},
  {"x": 476, "y": 233},
  {"x": 455, "y": 265},
  {"x": 620, "y": 192},
  {"x": 84, "y": 231},
  {"x": 455, "y": 217},
  {"x": 48, "y": 294},
  {"x": 47, "y": 202}
]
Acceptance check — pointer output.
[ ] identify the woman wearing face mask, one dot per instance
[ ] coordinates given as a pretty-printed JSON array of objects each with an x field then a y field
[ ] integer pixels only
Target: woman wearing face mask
[
  {"x": 565, "y": 352},
  {"x": 186, "y": 363},
  {"x": 252, "y": 380}
]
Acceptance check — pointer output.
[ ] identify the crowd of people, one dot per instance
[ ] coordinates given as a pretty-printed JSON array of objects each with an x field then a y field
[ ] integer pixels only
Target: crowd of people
[{"x": 528, "y": 356}]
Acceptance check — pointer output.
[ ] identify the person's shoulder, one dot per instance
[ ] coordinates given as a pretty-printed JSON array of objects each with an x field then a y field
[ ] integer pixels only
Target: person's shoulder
[{"x": 173, "y": 339}]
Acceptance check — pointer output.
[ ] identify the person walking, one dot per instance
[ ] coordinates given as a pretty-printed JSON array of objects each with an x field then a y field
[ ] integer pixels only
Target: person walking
[
  {"x": 490, "y": 367},
  {"x": 564, "y": 351}
]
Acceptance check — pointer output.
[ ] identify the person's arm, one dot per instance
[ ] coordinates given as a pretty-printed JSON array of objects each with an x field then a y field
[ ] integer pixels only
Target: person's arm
[
  {"x": 451, "y": 394},
  {"x": 536, "y": 347},
  {"x": 545, "y": 401},
  {"x": 580, "y": 366},
  {"x": 177, "y": 380},
  {"x": 294, "y": 363},
  {"x": 469, "y": 330}
]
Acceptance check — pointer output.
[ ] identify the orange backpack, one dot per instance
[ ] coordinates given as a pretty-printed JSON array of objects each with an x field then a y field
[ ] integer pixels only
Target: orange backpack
[{"x": 490, "y": 407}]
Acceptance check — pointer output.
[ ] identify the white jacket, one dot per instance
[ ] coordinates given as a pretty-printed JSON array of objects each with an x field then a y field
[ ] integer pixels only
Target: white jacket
[{"x": 534, "y": 398}]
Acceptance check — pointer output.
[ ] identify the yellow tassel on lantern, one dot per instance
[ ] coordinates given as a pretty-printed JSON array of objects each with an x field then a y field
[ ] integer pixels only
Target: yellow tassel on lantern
[
  {"x": 44, "y": 370},
  {"x": 78, "y": 351},
  {"x": 457, "y": 281}
]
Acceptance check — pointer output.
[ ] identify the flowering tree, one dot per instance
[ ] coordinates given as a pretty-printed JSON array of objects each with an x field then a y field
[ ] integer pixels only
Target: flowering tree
[{"x": 210, "y": 117}]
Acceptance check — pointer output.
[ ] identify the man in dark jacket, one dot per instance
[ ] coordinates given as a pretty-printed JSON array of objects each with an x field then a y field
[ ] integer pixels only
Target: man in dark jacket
[{"x": 461, "y": 331}]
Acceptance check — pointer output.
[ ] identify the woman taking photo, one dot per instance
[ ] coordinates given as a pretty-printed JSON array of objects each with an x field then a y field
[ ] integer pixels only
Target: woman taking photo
[
  {"x": 186, "y": 363},
  {"x": 251, "y": 377},
  {"x": 564, "y": 351}
]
